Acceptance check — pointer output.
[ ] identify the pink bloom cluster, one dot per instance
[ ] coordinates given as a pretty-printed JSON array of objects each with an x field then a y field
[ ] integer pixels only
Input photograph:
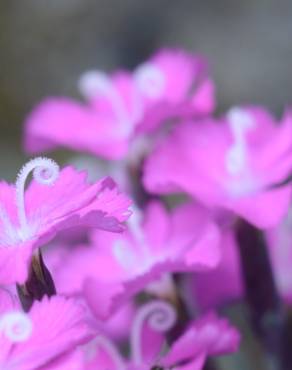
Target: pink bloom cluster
[
  {"x": 194, "y": 176},
  {"x": 122, "y": 106}
]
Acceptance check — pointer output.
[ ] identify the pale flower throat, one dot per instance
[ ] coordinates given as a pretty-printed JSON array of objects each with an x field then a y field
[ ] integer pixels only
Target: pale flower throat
[
  {"x": 240, "y": 123},
  {"x": 45, "y": 171},
  {"x": 148, "y": 82}
]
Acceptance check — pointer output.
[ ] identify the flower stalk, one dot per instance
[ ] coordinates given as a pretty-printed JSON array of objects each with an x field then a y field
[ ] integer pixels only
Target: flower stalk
[{"x": 264, "y": 303}]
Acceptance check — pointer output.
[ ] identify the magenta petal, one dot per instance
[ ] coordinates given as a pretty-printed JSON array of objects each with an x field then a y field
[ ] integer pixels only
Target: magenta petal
[
  {"x": 58, "y": 326},
  {"x": 65, "y": 122},
  {"x": 114, "y": 295},
  {"x": 208, "y": 335},
  {"x": 72, "y": 360},
  {"x": 223, "y": 283},
  {"x": 182, "y": 162},
  {"x": 14, "y": 263}
]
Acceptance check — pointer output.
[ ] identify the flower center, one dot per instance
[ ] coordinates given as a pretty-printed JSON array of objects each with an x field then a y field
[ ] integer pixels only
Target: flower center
[
  {"x": 240, "y": 123},
  {"x": 133, "y": 258},
  {"x": 124, "y": 255},
  {"x": 95, "y": 83},
  {"x": 148, "y": 81},
  {"x": 45, "y": 171}
]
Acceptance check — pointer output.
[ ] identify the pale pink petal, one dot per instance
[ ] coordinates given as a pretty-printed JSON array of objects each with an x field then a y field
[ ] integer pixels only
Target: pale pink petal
[
  {"x": 72, "y": 360},
  {"x": 58, "y": 325},
  {"x": 223, "y": 283},
  {"x": 209, "y": 335},
  {"x": 14, "y": 261},
  {"x": 193, "y": 159},
  {"x": 65, "y": 122}
]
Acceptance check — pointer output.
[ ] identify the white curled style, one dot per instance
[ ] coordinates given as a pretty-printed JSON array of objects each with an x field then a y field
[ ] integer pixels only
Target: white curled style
[
  {"x": 150, "y": 80},
  {"x": 45, "y": 172},
  {"x": 240, "y": 122},
  {"x": 16, "y": 326},
  {"x": 160, "y": 316}
]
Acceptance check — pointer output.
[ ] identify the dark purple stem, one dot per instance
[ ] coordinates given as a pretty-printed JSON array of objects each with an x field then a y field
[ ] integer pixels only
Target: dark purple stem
[
  {"x": 286, "y": 359},
  {"x": 139, "y": 193},
  {"x": 209, "y": 365},
  {"x": 266, "y": 308}
]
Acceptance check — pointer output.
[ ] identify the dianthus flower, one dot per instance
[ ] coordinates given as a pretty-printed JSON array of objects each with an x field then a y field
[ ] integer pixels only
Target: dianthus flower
[
  {"x": 155, "y": 244},
  {"x": 207, "y": 336},
  {"x": 54, "y": 201},
  {"x": 224, "y": 283},
  {"x": 171, "y": 83},
  {"x": 233, "y": 163},
  {"x": 31, "y": 340}
]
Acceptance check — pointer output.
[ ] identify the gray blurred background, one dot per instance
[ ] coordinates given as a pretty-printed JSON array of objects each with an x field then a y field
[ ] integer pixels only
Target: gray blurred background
[{"x": 46, "y": 44}]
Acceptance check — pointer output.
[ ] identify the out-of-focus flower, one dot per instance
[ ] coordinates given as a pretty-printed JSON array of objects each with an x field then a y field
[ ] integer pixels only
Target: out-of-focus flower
[
  {"x": 171, "y": 84},
  {"x": 185, "y": 240},
  {"x": 158, "y": 243},
  {"x": 208, "y": 336},
  {"x": 29, "y": 218},
  {"x": 224, "y": 283},
  {"x": 71, "y": 266},
  {"x": 214, "y": 288},
  {"x": 279, "y": 240},
  {"x": 232, "y": 163},
  {"x": 52, "y": 328}
]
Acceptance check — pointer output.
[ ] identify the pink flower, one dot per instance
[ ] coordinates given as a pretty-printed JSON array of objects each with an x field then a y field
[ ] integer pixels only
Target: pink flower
[
  {"x": 208, "y": 336},
  {"x": 29, "y": 218},
  {"x": 51, "y": 328},
  {"x": 156, "y": 244},
  {"x": 224, "y": 283},
  {"x": 232, "y": 163},
  {"x": 71, "y": 265},
  {"x": 121, "y": 104}
]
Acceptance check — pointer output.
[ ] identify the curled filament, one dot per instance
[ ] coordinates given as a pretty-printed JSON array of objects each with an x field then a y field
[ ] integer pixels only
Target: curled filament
[
  {"x": 45, "y": 172},
  {"x": 16, "y": 326},
  {"x": 160, "y": 316}
]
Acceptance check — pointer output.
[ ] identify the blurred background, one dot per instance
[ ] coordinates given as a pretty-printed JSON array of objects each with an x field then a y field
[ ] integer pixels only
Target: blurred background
[{"x": 45, "y": 45}]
